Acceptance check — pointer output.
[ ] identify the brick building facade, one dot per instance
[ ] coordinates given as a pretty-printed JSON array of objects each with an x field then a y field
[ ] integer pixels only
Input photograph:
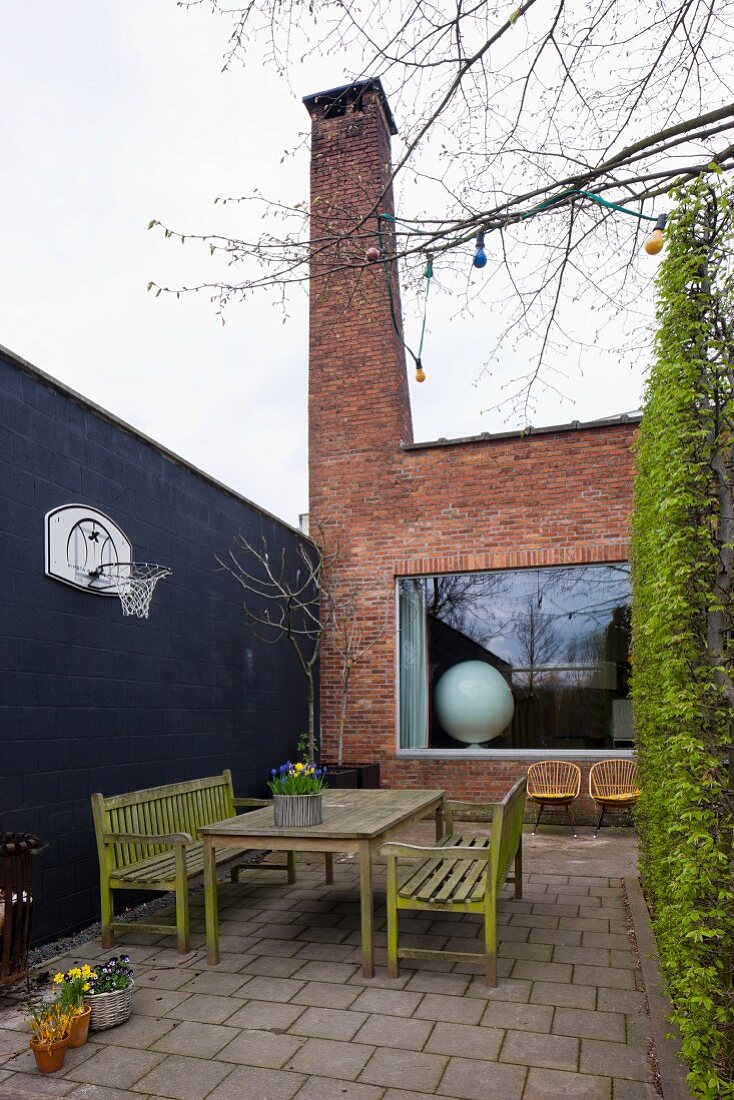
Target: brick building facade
[{"x": 395, "y": 508}]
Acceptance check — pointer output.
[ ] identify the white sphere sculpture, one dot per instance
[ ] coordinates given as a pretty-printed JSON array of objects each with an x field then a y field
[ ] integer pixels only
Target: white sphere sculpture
[{"x": 473, "y": 702}]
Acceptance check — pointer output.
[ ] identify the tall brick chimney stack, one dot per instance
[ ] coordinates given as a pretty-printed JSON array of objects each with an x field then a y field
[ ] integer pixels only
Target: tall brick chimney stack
[{"x": 359, "y": 406}]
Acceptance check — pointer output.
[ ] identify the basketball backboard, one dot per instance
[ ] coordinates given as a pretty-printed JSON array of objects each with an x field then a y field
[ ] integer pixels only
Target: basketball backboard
[{"x": 79, "y": 540}]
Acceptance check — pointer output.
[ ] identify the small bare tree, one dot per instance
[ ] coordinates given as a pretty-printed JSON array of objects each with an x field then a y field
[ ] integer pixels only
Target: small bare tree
[
  {"x": 298, "y": 603},
  {"x": 348, "y": 639},
  {"x": 284, "y": 600}
]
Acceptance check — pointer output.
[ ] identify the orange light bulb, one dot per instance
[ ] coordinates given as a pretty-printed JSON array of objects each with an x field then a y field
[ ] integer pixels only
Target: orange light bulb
[
  {"x": 654, "y": 242},
  {"x": 420, "y": 375}
]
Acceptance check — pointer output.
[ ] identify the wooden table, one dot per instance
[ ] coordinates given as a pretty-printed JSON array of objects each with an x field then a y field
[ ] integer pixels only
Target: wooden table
[{"x": 353, "y": 821}]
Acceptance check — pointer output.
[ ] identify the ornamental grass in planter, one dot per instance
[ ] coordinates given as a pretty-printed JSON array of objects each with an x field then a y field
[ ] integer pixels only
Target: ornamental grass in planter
[
  {"x": 297, "y": 790},
  {"x": 50, "y": 1025}
]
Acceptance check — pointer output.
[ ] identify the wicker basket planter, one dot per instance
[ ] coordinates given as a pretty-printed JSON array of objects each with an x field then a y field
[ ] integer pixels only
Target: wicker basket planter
[
  {"x": 110, "y": 1009},
  {"x": 296, "y": 810}
]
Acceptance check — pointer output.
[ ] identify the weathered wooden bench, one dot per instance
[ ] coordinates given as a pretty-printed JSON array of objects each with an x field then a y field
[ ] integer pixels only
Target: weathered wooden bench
[
  {"x": 461, "y": 874},
  {"x": 149, "y": 840}
]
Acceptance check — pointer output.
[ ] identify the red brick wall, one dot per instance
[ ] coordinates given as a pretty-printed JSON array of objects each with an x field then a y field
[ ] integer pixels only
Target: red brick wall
[{"x": 543, "y": 499}]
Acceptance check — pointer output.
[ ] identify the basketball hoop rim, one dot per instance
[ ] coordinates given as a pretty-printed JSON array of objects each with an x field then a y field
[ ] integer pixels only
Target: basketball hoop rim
[{"x": 147, "y": 570}]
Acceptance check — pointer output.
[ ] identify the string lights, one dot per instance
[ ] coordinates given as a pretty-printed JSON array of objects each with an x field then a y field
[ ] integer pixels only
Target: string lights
[{"x": 653, "y": 246}]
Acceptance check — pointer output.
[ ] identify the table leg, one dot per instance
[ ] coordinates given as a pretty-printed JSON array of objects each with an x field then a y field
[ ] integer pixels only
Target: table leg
[
  {"x": 367, "y": 908},
  {"x": 439, "y": 821},
  {"x": 210, "y": 902}
]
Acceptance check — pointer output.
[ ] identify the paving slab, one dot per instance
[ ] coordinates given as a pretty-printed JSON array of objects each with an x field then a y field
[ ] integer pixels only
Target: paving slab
[
  {"x": 260, "y": 1048},
  {"x": 462, "y": 1010},
  {"x": 327, "y": 1058},
  {"x": 466, "y": 1040},
  {"x": 552, "y": 1084},
  {"x": 529, "y": 1048},
  {"x": 397, "y": 1067},
  {"x": 122, "y": 1066},
  {"x": 469, "y": 1079},
  {"x": 196, "y": 1040},
  {"x": 328, "y": 1088},
  {"x": 182, "y": 1078},
  {"x": 328, "y": 1023},
  {"x": 252, "y": 1083},
  {"x": 395, "y": 1031}
]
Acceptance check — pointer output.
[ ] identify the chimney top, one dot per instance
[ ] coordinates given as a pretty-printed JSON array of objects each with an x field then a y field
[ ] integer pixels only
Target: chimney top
[{"x": 335, "y": 102}]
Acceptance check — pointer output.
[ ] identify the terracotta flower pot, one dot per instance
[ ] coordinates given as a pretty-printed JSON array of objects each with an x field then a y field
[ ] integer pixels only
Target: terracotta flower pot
[
  {"x": 50, "y": 1059},
  {"x": 80, "y": 1028}
]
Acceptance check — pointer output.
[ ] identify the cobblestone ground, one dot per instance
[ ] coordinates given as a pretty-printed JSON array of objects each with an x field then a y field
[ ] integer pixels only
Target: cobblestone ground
[{"x": 287, "y": 1013}]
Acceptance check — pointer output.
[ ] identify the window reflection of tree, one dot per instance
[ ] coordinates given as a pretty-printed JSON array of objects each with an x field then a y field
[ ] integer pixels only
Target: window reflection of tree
[
  {"x": 564, "y": 633},
  {"x": 537, "y": 638}
]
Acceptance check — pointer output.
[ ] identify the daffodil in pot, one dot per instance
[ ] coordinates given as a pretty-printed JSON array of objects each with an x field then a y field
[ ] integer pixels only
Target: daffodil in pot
[
  {"x": 71, "y": 989},
  {"x": 110, "y": 996},
  {"x": 50, "y": 1026},
  {"x": 297, "y": 790}
]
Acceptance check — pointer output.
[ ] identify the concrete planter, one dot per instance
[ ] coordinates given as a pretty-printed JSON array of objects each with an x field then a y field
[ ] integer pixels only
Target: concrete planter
[{"x": 296, "y": 810}]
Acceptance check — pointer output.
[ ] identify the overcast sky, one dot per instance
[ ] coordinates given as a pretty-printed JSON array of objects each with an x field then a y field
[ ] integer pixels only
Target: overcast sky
[{"x": 115, "y": 113}]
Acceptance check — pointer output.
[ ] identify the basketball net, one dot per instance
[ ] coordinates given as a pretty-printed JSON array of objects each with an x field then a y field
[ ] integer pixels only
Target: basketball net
[{"x": 134, "y": 583}]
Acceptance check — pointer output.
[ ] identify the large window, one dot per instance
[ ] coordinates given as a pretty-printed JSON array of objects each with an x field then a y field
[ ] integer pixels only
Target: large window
[{"x": 516, "y": 659}]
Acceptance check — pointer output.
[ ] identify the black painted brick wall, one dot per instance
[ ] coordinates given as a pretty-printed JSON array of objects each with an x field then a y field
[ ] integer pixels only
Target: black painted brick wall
[{"x": 91, "y": 701}]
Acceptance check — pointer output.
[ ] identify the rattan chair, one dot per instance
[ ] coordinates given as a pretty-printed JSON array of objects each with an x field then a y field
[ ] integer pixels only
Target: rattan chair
[
  {"x": 554, "y": 783},
  {"x": 613, "y": 786}
]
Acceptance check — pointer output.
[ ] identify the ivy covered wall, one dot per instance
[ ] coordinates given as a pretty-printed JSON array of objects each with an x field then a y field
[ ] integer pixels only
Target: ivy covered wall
[{"x": 683, "y": 647}]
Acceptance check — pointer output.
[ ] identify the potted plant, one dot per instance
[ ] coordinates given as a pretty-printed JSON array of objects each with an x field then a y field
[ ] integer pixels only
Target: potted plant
[
  {"x": 50, "y": 1025},
  {"x": 71, "y": 989},
  {"x": 110, "y": 996},
  {"x": 296, "y": 790}
]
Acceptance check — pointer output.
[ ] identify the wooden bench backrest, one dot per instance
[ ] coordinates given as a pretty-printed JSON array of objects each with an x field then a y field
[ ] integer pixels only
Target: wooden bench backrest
[
  {"x": 507, "y": 830},
  {"x": 176, "y": 807}
]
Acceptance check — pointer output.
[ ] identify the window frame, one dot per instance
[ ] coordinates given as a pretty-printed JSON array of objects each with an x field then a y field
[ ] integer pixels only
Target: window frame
[{"x": 471, "y": 753}]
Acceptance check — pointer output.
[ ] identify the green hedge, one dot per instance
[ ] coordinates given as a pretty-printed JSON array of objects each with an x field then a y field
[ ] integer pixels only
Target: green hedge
[{"x": 683, "y": 611}]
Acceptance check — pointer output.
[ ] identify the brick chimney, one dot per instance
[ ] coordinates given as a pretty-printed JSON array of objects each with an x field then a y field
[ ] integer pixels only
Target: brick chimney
[{"x": 359, "y": 406}]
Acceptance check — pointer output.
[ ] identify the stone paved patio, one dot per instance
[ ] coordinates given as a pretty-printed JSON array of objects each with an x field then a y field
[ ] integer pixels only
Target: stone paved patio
[{"x": 287, "y": 1013}]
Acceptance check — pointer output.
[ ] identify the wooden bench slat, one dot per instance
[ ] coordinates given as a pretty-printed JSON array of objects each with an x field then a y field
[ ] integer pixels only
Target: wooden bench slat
[
  {"x": 460, "y": 875},
  {"x": 446, "y": 879},
  {"x": 423, "y": 873}
]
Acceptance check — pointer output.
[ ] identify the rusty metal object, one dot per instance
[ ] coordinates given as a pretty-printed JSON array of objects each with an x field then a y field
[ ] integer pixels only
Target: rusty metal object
[{"x": 16, "y": 903}]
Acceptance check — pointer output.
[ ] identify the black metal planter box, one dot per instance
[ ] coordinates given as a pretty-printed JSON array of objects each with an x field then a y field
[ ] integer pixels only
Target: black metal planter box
[
  {"x": 339, "y": 778},
  {"x": 364, "y": 776}
]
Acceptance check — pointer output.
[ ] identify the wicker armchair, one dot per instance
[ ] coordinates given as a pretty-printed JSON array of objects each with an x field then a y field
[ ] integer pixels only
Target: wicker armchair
[
  {"x": 554, "y": 783},
  {"x": 613, "y": 786}
]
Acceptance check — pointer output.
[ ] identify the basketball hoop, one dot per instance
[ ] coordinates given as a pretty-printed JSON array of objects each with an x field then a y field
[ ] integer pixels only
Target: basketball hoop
[{"x": 134, "y": 582}]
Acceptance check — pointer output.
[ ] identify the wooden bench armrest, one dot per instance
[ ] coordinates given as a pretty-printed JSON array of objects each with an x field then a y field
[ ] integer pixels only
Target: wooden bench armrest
[
  {"x": 254, "y": 803},
  {"x": 147, "y": 838},
  {"x": 454, "y": 851}
]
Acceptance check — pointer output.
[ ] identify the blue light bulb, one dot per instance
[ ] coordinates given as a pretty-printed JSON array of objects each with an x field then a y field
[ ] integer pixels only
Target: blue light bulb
[{"x": 480, "y": 256}]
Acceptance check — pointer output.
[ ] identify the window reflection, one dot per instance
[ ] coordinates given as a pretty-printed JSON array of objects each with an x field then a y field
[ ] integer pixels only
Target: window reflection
[{"x": 559, "y": 638}]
